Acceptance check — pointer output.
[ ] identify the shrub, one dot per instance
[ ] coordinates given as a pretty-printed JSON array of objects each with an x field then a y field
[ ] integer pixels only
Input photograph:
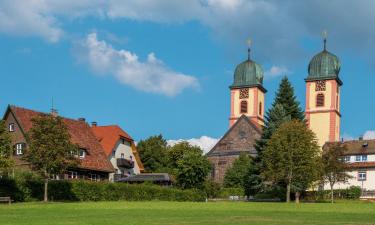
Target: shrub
[
  {"x": 353, "y": 192},
  {"x": 63, "y": 190},
  {"x": 226, "y": 192}
]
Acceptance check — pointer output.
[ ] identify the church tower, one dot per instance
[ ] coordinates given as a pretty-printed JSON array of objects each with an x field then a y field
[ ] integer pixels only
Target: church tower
[
  {"x": 323, "y": 96},
  {"x": 247, "y": 92}
]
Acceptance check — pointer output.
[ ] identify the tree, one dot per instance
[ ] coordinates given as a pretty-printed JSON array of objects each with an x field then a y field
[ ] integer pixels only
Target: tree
[
  {"x": 284, "y": 108},
  {"x": 285, "y": 96},
  {"x": 235, "y": 176},
  {"x": 292, "y": 156},
  {"x": 192, "y": 170},
  {"x": 153, "y": 152},
  {"x": 177, "y": 151},
  {"x": 334, "y": 168},
  {"x": 50, "y": 149},
  {"x": 5, "y": 148}
]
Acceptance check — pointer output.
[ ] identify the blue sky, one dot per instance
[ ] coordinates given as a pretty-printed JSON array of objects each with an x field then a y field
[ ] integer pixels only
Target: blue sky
[{"x": 165, "y": 66}]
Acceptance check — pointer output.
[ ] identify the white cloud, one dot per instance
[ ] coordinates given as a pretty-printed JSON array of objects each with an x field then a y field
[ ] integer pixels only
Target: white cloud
[
  {"x": 152, "y": 75},
  {"x": 204, "y": 142},
  {"x": 277, "y": 27},
  {"x": 276, "y": 71},
  {"x": 370, "y": 134}
]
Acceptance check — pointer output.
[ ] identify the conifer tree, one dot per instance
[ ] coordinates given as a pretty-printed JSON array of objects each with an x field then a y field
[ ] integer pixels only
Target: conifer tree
[
  {"x": 286, "y": 97},
  {"x": 5, "y": 148}
]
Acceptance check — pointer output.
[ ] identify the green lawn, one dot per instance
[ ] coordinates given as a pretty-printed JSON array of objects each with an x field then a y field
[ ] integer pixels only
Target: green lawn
[{"x": 164, "y": 213}]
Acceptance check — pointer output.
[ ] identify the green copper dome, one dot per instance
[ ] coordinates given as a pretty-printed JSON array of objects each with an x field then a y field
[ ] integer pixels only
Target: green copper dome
[
  {"x": 248, "y": 74},
  {"x": 323, "y": 66}
]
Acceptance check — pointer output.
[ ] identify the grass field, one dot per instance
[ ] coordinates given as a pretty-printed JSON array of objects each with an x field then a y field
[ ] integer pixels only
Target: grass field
[{"x": 163, "y": 213}]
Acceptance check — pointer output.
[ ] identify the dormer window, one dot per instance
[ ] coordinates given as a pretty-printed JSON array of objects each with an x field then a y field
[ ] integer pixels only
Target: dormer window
[
  {"x": 11, "y": 127},
  {"x": 82, "y": 153}
]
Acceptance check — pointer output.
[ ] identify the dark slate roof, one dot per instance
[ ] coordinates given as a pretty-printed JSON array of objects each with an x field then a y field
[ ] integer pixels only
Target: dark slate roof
[
  {"x": 152, "y": 177},
  {"x": 239, "y": 138},
  {"x": 80, "y": 133}
]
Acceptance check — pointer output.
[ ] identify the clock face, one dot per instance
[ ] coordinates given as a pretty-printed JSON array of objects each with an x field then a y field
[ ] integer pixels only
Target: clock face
[
  {"x": 320, "y": 85},
  {"x": 244, "y": 93}
]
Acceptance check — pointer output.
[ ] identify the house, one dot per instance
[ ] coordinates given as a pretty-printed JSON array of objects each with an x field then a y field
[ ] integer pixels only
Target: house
[
  {"x": 360, "y": 157},
  {"x": 120, "y": 150},
  {"x": 93, "y": 165},
  {"x": 240, "y": 138}
]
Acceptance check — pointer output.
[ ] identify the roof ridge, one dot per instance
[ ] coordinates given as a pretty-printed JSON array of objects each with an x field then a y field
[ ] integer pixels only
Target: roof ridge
[{"x": 37, "y": 111}]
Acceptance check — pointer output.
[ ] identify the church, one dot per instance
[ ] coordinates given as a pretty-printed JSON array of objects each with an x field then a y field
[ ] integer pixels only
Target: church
[{"x": 247, "y": 101}]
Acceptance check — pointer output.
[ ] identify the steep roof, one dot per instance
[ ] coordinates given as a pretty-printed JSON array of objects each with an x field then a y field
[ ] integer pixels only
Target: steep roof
[
  {"x": 80, "y": 134},
  {"x": 108, "y": 137},
  {"x": 239, "y": 138}
]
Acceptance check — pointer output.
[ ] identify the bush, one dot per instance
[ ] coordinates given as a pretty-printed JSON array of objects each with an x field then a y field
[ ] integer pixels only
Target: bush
[
  {"x": 26, "y": 186},
  {"x": 63, "y": 190},
  {"x": 353, "y": 192},
  {"x": 226, "y": 192}
]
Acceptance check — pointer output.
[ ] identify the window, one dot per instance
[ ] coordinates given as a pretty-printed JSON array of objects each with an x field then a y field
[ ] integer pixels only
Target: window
[
  {"x": 72, "y": 175},
  {"x": 346, "y": 158},
  {"x": 362, "y": 175},
  {"x": 320, "y": 100},
  {"x": 361, "y": 158},
  {"x": 82, "y": 153},
  {"x": 94, "y": 177},
  {"x": 260, "y": 108},
  {"x": 244, "y": 107},
  {"x": 122, "y": 156},
  {"x": 11, "y": 127},
  {"x": 123, "y": 141},
  {"x": 19, "y": 148}
]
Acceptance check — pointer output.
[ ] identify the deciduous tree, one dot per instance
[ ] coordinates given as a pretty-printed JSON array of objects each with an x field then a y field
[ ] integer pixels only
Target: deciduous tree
[
  {"x": 50, "y": 150},
  {"x": 334, "y": 167},
  {"x": 192, "y": 170},
  {"x": 292, "y": 156},
  {"x": 235, "y": 176},
  {"x": 5, "y": 148},
  {"x": 153, "y": 153}
]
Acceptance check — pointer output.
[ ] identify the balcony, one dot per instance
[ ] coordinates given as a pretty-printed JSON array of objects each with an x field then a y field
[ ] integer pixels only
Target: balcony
[{"x": 125, "y": 163}]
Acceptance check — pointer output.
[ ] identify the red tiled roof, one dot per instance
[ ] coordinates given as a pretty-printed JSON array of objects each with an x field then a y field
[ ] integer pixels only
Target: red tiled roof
[
  {"x": 80, "y": 133},
  {"x": 108, "y": 137}
]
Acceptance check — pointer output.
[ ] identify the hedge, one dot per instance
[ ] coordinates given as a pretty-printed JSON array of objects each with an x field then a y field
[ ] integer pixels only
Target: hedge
[
  {"x": 94, "y": 191},
  {"x": 353, "y": 192}
]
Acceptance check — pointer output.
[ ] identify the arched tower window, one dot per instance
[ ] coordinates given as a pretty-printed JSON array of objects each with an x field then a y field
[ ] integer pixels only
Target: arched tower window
[
  {"x": 320, "y": 100},
  {"x": 243, "y": 106},
  {"x": 260, "y": 108}
]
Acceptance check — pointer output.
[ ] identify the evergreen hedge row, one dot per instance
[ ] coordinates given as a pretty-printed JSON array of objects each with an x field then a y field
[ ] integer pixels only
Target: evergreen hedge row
[{"x": 32, "y": 190}]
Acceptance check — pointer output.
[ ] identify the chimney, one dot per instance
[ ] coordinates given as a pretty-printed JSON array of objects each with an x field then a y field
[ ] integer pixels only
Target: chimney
[
  {"x": 82, "y": 119},
  {"x": 54, "y": 112},
  {"x": 94, "y": 124}
]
